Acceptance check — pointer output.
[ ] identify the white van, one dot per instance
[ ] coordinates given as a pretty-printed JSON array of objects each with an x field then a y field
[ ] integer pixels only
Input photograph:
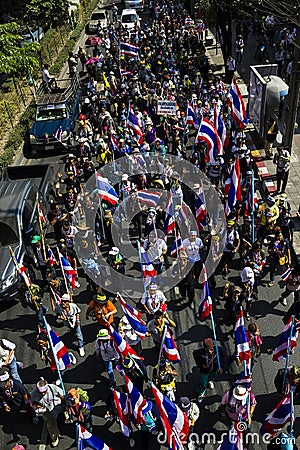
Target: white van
[{"x": 130, "y": 19}]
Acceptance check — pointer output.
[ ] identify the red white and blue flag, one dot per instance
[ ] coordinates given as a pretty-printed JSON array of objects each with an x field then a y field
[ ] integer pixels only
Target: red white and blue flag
[
  {"x": 251, "y": 202},
  {"x": 123, "y": 410},
  {"x": 172, "y": 419},
  {"x": 241, "y": 342},
  {"x": 170, "y": 349},
  {"x": 105, "y": 191},
  {"x": 289, "y": 333},
  {"x": 136, "y": 401},
  {"x": 125, "y": 73},
  {"x": 51, "y": 257},
  {"x": 191, "y": 118},
  {"x": 127, "y": 49},
  {"x": 233, "y": 440},
  {"x": 177, "y": 246},
  {"x": 113, "y": 143},
  {"x": 150, "y": 198},
  {"x": 286, "y": 274},
  {"x": 208, "y": 134},
  {"x": 278, "y": 418},
  {"x": 184, "y": 213},
  {"x": 69, "y": 272},
  {"x": 200, "y": 208},
  {"x": 245, "y": 377},
  {"x": 122, "y": 346},
  {"x": 87, "y": 441},
  {"x": 134, "y": 126},
  {"x": 236, "y": 103},
  {"x": 148, "y": 270},
  {"x": 170, "y": 222},
  {"x": 58, "y": 134},
  {"x": 220, "y": 127},
  {"x": 134, "y": 318},
  {"x": 21, "y": 270},
  {"x": 205, "y": 306},
  {"x": 235, "y": 191},
  {"x": 41, "y": 214},
  {"x": 62, "y": 356}
]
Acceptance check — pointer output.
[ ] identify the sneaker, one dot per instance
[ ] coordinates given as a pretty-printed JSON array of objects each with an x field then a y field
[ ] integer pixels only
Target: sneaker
[
  {"x": 211, "y": 385},
  {"x": 55, "y": 443},
  {"x": 81, "y": 351},
  {"x": 271, "y": 284},
  {"x": 283, "y": 301}
]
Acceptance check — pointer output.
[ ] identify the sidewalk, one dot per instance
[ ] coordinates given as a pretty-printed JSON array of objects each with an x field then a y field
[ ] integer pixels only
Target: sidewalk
[{"x": 265, "y": 167}]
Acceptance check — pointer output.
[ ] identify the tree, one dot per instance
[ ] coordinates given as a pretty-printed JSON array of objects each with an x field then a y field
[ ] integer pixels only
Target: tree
[
  {"x": 47, "y": 13},
  {"x": 14, "y": 59}
]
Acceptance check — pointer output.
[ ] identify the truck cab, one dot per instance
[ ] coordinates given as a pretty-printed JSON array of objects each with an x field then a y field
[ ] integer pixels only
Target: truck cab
[{"x": 55, "y": 117}]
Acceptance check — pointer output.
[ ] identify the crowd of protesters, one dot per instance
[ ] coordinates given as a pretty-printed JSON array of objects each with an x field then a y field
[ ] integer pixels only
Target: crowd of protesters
[{"x": 120, "y": 128}]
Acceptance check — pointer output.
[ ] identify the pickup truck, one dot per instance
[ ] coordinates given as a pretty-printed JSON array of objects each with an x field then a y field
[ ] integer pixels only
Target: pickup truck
[
  {"x": 19, "y": 189},
  {"x": 55, "y": 117}
]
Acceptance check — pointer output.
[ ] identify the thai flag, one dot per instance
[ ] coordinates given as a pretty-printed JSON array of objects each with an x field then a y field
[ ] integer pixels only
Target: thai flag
[
  {"x": 148, "y": 270},
  {"x": 134, "y": 318},
  {"x": 87, "y": 441},
  {"x": 133, "y": 124},
  {"x": 58, "y": 134},
  {"x": 106, "y": 191},
  {"x": 140, "y": 162},
  {"x": 51, "y": 258},
  {"x": 205, "y": 306},
  {"x": 177, "y": 246},
  {"x": 189, "y": 21},
  {"x": 113, "y": 143},
  {"x": 136, "y": 401},
  {"x": 220, "y": 127},
  {"x": 170, "y": 349},
  {"x": 170, "y": 223},
  {"x": 60, "y": 350},
  {"x": 70, "y": 273},
  {"x": 208, "y": 134},
  {"x": 184, "y": 213},
  {"x": 21, "y": 270},
  {"x": 172, "y": 418},
  {"x": 235, "y": 191},
  {"x": 241, "y": 342},
  {"x": 200, "y": 209},
  {"x": 127, "y": 49},
  {"x": 250, "y": 202},
  {"x": 191, "y": 118},
  {"x": 286, "y": 274},
  {"x": 278, "y": 418},
  {"x": 123, "y": 409},
  {"x": 122, "y": 346},
  {"x": 41, "y": 213},
  {"x": 233, "y": 440},
  {"x": 245, "y": 377},
  {"x": 149, "y": 197},
  {"x": 236, "y": 103},
  {"x": 289, "y": 331},
  {"x": 125, "y": 73}
]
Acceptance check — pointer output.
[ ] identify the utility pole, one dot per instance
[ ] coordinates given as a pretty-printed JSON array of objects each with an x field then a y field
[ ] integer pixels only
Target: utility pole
[{"x": 293, "y": 95}]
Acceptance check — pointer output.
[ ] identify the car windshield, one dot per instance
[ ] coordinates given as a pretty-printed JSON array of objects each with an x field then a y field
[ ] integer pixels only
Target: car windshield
[
  {"x": 7, "y": 235},
  {"x": 129, "y": 18},
  {"x": 51, "y": 112},
  {"x": 98, "y": 16}
]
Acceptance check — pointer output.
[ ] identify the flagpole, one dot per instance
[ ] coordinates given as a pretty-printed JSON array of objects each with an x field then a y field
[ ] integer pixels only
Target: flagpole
[
  {"x": 215, "y": 339},
  {"x": 288, "y": 353},
  {"x": 161, "y": 347},
  {"x": 62, "y": 269},
  {"x": 77, "y": 435},
  {"x": 291, "y": 414},
  {"x": 54, "y": 357},
  {"x": 100, "y": 207},
  {"x": 252, "y": 207},
  {"x": 141, "y": 265}
]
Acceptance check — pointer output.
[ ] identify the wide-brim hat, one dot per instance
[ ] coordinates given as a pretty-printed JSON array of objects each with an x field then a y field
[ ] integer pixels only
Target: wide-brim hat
[{"x": 240, "y": 392}]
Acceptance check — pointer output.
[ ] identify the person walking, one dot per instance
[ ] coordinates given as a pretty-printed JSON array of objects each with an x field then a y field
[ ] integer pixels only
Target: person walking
[
  {"x": 239, "y": 49},
  {"x": 237, "y": 404},
  {"x": 104, "y": 347},
  {"x": 8, "y": 359},
  {"x": 102, "y": 310},
  {"x": 13, "y": 394},
  {"x": 69, "y": 313},
  {"x": 230, "y": 69},
  {"x": 282, "y": 159},
  {"x": 48, "y": 400}
]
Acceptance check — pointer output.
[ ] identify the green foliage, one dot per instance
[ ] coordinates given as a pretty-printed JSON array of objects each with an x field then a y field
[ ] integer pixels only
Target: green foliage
[{"x": 47, "y": 13}]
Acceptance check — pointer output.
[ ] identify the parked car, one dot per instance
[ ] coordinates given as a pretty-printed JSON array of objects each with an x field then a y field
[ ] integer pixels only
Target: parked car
[
  {"x": 134, "y": 4},
  {"x": 130, "y": 19},
  {"x": 98, "y": 16}
]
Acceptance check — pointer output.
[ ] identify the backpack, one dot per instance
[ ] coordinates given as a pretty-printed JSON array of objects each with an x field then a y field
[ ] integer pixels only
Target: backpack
[{"x": 83, "y": 395}]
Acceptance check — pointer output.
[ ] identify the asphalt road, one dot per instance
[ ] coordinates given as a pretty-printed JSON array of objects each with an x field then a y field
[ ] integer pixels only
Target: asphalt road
[{"x": 18, "y": 325}]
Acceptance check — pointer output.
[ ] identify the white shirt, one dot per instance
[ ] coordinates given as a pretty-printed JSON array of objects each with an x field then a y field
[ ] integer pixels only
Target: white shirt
[
  {"x": 127, "y": 332},
  {"x": 192, "y": 248},
  {"x": 5, "y": 347},
  {"x": 46, "y": 75},
  {"x": 247, "y": 275},
  {"x": 156, "y": 250},
  {"x": 106, "y": 349},
  {"x": 70, "y": 232},
  {"x": 153, "y": 302},
  {"x": 71, "y": 315}
]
